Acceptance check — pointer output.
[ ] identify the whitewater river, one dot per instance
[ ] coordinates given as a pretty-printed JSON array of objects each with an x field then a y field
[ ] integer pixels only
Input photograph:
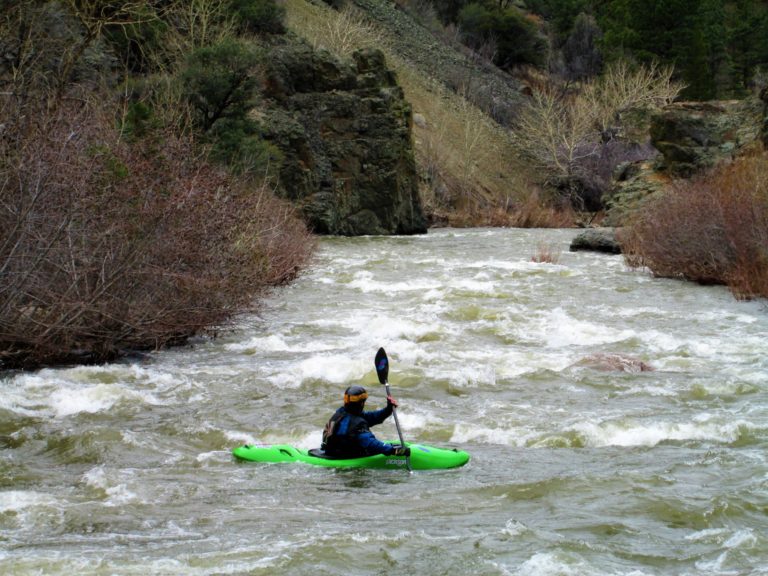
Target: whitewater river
[{"x": 576, "y": 469}]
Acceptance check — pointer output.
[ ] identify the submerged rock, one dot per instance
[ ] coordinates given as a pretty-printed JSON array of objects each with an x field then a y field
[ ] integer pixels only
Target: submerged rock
[{"x": 614, "y": 362}]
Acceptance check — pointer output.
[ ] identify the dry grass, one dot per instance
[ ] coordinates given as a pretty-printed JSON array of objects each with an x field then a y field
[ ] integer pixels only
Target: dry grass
[
  {"x": 712, "y": 230},
  {"x": 468, "y": 168},
  {"x": 341, "y": 33}
]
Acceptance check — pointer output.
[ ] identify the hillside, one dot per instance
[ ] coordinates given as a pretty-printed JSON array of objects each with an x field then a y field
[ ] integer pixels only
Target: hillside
[{"x": 469, "y": 171}]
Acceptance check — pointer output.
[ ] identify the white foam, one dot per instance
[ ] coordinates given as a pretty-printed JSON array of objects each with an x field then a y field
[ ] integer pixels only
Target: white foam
[
  {"x": 364, "y": 282},
  {"x": 473, "y": 285},
  {"x": 60, "y": 393},
  {"x": 335, "y": 368},
  {"x": 465, "y": 433},
  {"x": 310, "y": 440},
  {"x": 17, "y": 500},
  {"x": 66, "y": 401},
  {"x": 277, "y": 343},
  {"x": 742, "y": 539},
  {"x": 629, "y": 433},
  {"x": 517, "y": 363},
  {"x": 471, "y": 376},
  {"x": 553, "y": 564},
  {"x": 556, "y": 328},
  {"x": 716, "y": 535},
  {"x": 117, "y": 494},
  {"x": 408, "y": 421},
  {"x": 514, "y": 528}
]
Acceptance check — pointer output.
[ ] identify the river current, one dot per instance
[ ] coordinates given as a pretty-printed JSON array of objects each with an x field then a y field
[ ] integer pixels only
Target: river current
[{"x": 582, "y": 463}]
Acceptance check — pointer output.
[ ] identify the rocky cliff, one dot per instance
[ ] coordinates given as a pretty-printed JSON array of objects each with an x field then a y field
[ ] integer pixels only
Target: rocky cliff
[
  {"x": 691, "y": 137},
  {"x": 694, "y": 136},
  {"x": 345, "y": 132}
]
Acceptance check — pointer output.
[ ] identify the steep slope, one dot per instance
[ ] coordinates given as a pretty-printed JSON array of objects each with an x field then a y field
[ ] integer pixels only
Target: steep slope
[
  {"x": 468, "y": 171},
  {"x": 430, "y": 55}
]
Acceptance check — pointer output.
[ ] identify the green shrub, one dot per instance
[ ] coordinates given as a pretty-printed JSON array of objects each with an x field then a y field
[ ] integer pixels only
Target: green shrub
[
  {"x": 260, "y": 16},
  {"x": 238, "y": 143},
  {"x": 517, "y": 40},
  {"x": 221, "y": 84},
  {"x": 220, "y": 81},
  {"x": 139, "y": 43},
  {"x": 139, "y": 121}
]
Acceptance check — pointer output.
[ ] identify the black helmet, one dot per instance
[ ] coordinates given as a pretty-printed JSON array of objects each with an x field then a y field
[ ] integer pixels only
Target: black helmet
[{"x": 355, "y": 396}]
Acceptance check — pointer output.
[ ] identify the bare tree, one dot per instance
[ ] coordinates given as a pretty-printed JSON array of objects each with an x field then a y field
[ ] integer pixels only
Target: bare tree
[
  {"x": 556, "y": 132},
  {"x": 562, "y": 131},
  {"x": 624, "y": 87}
]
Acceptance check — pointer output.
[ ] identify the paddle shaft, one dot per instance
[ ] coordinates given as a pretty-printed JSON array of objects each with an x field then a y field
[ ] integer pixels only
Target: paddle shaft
[
  {"x": 394, "y": 413},
  {"x": 382, "y": 371}
]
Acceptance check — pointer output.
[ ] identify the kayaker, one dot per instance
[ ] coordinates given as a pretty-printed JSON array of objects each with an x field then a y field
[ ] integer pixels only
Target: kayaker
[{"x": 348, "y": 435}]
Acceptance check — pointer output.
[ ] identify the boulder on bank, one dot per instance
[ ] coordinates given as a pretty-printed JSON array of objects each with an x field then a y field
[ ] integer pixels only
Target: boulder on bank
[
  {"x": 344, "y": 129},
  {"x": 633, "y": 184},
  {"x": 597, "y": 240}
]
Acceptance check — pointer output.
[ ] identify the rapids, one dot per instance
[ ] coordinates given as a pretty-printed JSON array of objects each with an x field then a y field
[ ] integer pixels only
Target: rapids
[{"x": 582, "y": 463}]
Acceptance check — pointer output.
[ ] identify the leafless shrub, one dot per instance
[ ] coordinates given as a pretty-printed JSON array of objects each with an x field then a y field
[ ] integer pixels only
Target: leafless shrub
[
  {"x": 545, "y": 254},
  {"x": 556, "y": 131},
  {"x": 712, "y": 230},
  {"x": 106, "y": 246},
  {"x": 347, "y": 32},
  {"x": 538, "y": 212},
  {"x": 624, "y": 87}
]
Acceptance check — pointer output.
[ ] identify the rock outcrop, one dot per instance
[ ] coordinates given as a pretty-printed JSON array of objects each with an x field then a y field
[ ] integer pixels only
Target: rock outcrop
[
  {"x": 633, "y": 184},
  {"x": 344, "y": 130},
  {"x": 691, "y": 137},
  {"x": 694, "y": 136}
]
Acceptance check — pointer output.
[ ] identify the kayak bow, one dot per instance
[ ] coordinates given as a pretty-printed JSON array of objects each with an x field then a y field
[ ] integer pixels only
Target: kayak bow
[{"x": 423, "y": 457}]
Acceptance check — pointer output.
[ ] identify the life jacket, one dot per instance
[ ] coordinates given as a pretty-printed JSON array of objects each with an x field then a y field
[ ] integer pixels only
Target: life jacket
[{"x": 340, "y": 435}]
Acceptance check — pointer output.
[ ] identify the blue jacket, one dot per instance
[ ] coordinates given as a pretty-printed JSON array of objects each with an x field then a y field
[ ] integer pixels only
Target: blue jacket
[{"x": 348, "y": 435}]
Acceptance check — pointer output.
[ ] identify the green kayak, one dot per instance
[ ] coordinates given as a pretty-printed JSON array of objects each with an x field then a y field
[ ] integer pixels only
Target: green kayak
[{"x": 422, "y": 457}]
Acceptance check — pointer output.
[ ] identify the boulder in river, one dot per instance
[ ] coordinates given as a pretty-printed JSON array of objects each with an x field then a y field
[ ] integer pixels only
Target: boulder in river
[
  {"x": 614, "y": 362},
  {"x": 597, "y": 240}
]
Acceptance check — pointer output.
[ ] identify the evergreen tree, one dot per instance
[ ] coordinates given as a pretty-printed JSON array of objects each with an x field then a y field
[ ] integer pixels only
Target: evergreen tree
[
  {"x": 581, "y": 55},
  {"x": 716, "y": 45},
  {"x": 747, "y": 39},
  {"x": 516, "y": 38}
]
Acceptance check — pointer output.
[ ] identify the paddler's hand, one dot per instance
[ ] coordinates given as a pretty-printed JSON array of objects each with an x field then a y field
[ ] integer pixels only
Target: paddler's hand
[
  {"x": 400, "y": 451},
  {"x": 392, "y": 402}
]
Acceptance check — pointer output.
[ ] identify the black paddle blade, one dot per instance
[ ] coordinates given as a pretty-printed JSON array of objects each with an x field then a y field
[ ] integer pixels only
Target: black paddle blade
[{"x": 382, "y": 365}]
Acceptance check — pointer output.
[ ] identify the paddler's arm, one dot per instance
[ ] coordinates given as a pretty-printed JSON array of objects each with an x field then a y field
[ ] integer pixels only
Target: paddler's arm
[
  {"x": 378, "y": 416},
  {"x": 372, "y": 445}
]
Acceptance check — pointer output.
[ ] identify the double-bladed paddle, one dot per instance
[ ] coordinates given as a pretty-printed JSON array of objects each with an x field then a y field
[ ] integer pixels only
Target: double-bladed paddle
[{"x": 382, "y": 371}]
